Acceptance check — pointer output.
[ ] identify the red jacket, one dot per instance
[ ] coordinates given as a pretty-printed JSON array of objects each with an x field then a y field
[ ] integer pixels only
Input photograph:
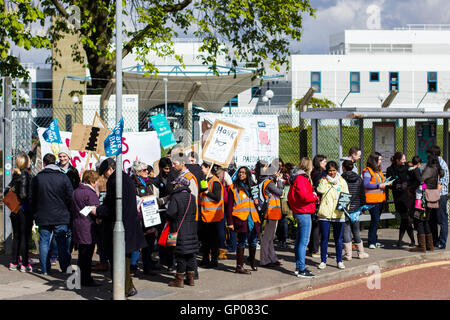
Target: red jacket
[{"x": 301, "y": 198}]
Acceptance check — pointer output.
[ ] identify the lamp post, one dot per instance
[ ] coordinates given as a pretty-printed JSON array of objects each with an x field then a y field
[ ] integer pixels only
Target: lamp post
[
  {"x": 269, "y": 95},
  {"x": 165, "y": 96}
]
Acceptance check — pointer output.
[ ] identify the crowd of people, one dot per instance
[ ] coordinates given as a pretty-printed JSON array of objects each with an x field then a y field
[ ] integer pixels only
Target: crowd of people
[{"x": 216, "y": 211}]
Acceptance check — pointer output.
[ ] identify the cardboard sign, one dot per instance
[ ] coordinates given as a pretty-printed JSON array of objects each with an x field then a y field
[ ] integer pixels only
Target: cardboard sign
[
  {"x": 88, "y": 138},
  {"x": 221, "y": 143}
]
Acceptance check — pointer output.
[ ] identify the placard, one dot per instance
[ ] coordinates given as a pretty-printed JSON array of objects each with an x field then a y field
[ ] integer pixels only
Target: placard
[
  {"x": 221, "y": 143},
  {"x": 149, "y": 210},
  {"x": 163, "y": 131},
  {"x": 384, "y": 142},
  {"x": 88, "y": 138}
]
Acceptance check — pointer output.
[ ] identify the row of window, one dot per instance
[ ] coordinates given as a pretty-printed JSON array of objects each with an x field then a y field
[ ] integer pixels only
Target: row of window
[{"x": 355, "y": 81}]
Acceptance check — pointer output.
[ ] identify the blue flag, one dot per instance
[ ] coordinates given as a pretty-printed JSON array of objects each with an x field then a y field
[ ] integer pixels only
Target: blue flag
[
  {"x": 113, "y": 143},
  {"x": 52, "y": 135}
]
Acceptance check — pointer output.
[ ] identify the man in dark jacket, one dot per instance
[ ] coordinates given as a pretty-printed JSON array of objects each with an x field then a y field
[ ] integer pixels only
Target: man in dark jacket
[
  {"x": 134, "y": 236},
  {"x": 51, "y": 192}
]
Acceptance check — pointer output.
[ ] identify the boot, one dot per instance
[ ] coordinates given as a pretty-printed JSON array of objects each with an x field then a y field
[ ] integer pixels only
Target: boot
[
  {"x": 421, "y": 247},
  {"x": 251, "y": 258},
  {"x": 189, "y": 278},
  {"x": 429, "y": 242},
  {"x": 347, "y": 251},
  {"x": 178, "y": 282},
  {"x": 223, "y": 254},
  {"x": 240, "y": 261},
  {"x": 361, "y": 253}
]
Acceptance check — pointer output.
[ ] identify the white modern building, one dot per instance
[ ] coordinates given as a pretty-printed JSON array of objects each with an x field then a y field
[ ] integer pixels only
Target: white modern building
[{"x": 364, "y": 66}]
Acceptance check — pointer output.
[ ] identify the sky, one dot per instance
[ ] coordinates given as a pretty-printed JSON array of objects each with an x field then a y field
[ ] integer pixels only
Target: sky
[{"x": 336, "y": 16}]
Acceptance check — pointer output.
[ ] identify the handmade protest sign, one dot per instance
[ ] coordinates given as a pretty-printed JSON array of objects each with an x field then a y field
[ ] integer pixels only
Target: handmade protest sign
[
  {"x": 88, "y": 138},
  {"x": 221, "y": 143}
]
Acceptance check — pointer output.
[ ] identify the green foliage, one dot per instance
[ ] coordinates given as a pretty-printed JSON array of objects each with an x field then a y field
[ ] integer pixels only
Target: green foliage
[
  {"x": 254, "y": 30},
  {"x": 15, "y": 21},
  {"x": 317, "y": 103}
]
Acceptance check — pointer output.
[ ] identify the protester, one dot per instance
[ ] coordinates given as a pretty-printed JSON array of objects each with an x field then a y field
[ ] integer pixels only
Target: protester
[
  {"x": 179, "y": 161},
  {"x": 144, "y": 187},
  {"x": 182, "y": 213},
  {"x": 330, "y": 187},
  {"x": 354, "y": 154},
  {"x": 441, "y": 219},
  {"x": 51, "y": 199},
  {"x": 399, "y": 171},
  {"x": 83, "y": 225},
  {"x": 134, "y": 237},
  {"x": 430, "y": 177},
  {"x": 356, "y": 189},
  {"x": 211, "y": 207},
  {"x": 65, "y": 165},
  {"x": 21, "y": 221},
  {"x": 302, "y": 200},
  {"x": 271, "y": 190},
  {"x": 243, "y": 218},
  {"x": 283, "y": 224},
  {"x": 374, "y": 185},
  {"x": 319, "y": 171},
  {"x": 225, "y": 181}
]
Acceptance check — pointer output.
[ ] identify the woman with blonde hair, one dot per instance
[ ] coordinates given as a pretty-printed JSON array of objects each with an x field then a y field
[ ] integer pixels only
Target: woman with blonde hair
[
  {"x": 22, "y": 221},
  {"x": 302, "y": 201}
]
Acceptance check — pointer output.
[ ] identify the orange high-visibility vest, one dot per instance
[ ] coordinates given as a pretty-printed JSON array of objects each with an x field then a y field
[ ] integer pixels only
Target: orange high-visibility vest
[
  {"x": 243, "y": 206},
  {"x": 190, "y": 176},
  {"x": 274, "y": 206},
  {"x": 211, "y": 211},
  {"x": 375, "y": 195}
]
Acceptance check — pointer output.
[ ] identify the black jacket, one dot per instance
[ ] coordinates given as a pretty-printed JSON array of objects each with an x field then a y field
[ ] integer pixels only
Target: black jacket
[
  {"x": 356, "y": 188},
  {"x": 400, "y": 186},
  {"x": 187, "y": 240},
  {"x": 74, "y": 176},
  {"x": 22, "y": 186},
  {"x": 51, "y": 196},
  {"x": 134, "y": 236}
]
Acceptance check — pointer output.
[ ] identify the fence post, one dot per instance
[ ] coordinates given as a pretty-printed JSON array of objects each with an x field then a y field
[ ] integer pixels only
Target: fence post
[
  {"x": 303, "y": 135},
  {"x": 405, "y": 136},
  {"x": 314, "y": 137},
  {"x": 361, "y": 143},
  {"x": 7, "y": 155}
]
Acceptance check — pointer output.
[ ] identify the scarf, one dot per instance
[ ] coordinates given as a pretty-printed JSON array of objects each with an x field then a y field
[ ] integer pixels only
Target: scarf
[{"x": 334, "y": 180}]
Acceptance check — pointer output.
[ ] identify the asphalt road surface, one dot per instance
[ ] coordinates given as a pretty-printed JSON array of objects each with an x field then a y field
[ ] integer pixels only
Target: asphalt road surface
[{"x": 422, "y": 281}]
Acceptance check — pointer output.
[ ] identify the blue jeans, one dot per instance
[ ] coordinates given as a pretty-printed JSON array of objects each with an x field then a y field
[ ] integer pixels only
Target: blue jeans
[
  {"x": 61, "y": 236},
  {"x": 443, "y": 220},
  {"x": 251, "y": 237},
  {"x": 283, "y": 227},
  {"x": 302, "y": 239},
  {"x": 338, "y": 228},
  {"x": 232, "y": 244},
  {"x": 221, "y": 233},
  {"x": 134, "y": 258},
  {"x": 375, "y": 214}
]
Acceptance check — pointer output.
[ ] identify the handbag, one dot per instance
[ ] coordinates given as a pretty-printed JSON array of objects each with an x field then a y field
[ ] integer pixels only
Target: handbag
[
  {"x": 11, "y": 200},
  {"x": 169, "y": 239},
  {"x": 432, "y": 197}
]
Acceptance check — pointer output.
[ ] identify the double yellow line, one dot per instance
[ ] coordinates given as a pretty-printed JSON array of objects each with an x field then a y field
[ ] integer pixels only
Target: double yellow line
[{"x": 339, "y": 286}]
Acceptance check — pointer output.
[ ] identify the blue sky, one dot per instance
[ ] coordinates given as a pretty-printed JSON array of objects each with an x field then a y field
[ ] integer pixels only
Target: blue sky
[{"x": 335, "y": 16}]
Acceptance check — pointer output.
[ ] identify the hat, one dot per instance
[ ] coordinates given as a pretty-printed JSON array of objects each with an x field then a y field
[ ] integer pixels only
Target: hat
[
  {"x": 138, "y": 166},
  {"x": 64, "y": 149},
  {"x": 182, "y": 181},
  {"x": 105, "y": 165}
]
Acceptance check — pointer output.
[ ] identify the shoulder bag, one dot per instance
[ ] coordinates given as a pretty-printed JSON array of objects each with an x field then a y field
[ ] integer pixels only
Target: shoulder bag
[
  {"x": 11, "y": 200},
  {"x": 169, "y": 239}
]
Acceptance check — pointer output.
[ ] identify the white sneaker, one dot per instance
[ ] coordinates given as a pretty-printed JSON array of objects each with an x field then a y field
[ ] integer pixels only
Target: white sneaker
[
  {"x": 372, "y": 246},
  {"x": 322, "y": 265},
  {"x": 379, "y": 245},
  {"x": 340, "y": 265}
]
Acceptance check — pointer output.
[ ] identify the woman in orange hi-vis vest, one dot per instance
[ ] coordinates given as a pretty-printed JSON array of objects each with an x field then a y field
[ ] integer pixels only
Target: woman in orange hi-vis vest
[
  {"x": 243, "y": 218},
  {"x": 211, "y": 207},
  {"x": 374, "y": 185},
  {"x": 271, "y": 190}
]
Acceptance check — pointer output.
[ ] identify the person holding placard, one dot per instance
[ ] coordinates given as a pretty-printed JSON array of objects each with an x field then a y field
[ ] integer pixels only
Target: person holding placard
[
  {"x": 84, "y": 200},
  {"x": 211, "y": 207},
  {"x": 243, "y": 217},
  {"x": 374, "y": 185}
]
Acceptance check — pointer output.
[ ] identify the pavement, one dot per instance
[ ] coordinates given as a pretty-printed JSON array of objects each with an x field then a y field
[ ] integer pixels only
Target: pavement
[{"x": 215, "y": 284}]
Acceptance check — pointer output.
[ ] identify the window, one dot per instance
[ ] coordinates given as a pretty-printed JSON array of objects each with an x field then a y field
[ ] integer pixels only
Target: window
[
  {"x": 432, "y": 81},
  {"x": 233, "y": 102},
  {"x": 355, "y": 84},
  {"x": 316, "y": 81},
  {"x": 374, "y": 77},
  {"x": 256, "y": 91},
  {"x": 393, "y": 81}
]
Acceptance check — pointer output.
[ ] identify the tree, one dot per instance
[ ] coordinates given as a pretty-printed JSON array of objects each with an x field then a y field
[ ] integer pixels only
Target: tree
[
  {"x": 242, "y": 30},
  {"x": 317, "y": 103},
  {"x": 15, "y": 21}
]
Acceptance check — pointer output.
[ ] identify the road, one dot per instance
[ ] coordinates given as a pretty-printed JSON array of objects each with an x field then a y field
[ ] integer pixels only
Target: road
[{"x": 421, "y": 281}]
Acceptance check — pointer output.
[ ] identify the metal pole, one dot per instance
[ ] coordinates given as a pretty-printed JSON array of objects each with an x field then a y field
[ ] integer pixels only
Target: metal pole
[
  {"x": 165, "y": 97},
  {"x": 445, "y": 141},
  {"x": 361, "y": 144},
  {"x": 119, "y": 231},
  {"x": 405, "y": 136},
  {"x": 314, "y": 137},
  {"x": 340, "y": 140},
  {"x": 7, "y": 156}
]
